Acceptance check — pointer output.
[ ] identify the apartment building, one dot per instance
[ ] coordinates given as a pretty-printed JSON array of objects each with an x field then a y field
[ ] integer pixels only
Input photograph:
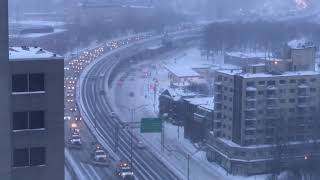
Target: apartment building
[
  {"x": 31, "y": 115},
  {"x": 267, "y": 115}
]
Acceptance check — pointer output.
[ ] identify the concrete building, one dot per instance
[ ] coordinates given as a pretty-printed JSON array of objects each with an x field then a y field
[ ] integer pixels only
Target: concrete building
[
  {"x": 36, "y": 125},
  {"x": 267, "y": 115},
  {"x": 202, "y": 122},
  {"x": 31, "y": 125},
  {"x": 5, "y": 125},
  {"x": 194, "y": 119}
]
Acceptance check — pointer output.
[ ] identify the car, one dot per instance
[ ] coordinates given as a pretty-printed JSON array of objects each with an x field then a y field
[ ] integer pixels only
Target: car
[
  {"x": 101, "y": 92},
  {"x": 78, "y": 118},
  {"x": 124, "y": 171},
  {"x": 140, "y": 145},
  {"x": 100, "y": 157},
  {"x": 113, "y": 114},
  {"x": 75, "y": 139}
]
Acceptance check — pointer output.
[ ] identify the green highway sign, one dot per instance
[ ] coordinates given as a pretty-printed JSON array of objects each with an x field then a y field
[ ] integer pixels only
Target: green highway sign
[{"x": 151, "y": 125}]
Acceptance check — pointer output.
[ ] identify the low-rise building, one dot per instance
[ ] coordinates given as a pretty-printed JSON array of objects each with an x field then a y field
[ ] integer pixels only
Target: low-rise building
[{"x": 192, "y": 125}]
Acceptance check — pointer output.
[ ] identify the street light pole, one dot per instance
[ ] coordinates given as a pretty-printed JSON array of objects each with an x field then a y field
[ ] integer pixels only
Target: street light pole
[
  {"x": 131, "y": 138},
  {"x": 132, "y": 111},
  {"x": 188, "y": 157}
]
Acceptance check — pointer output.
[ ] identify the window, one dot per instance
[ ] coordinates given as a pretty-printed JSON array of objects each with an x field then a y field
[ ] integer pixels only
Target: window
[
  {"x": 20, "y": 120},
  {"x": 28, "y": 82},
  {"x": 36, "y": 119},
  {"x": 37, "y": 156},
  {"x": 313, "y": 80},
  {"x": 313, "y": 90},
  {"x": 219, "y": 78},
  {"x": 271, "y": 83},
  {"x": 282, "y": 81},
  {"x": 20, "y": 157},
  {"x": 250, "y": 83},
  {"x": 291, "y": 100},
  {"x": 301, "y": 81},
  {"x": 292, "y": 81},
  {"x": 249, "y": 132},
  {"x": 261, "y": 92},
  {"x": 28, "y": 120},
  {"x": 261, "y": 83},
  {"x": 291, "y": 110},
  {"x": 282, "y": 100},
  {"x": 282, "y": 91},
  {"x": 24, "y": 157},
  {"x": 36, "y": 82},
  {"x": 292, "y": 90},
  {"x": 20, "y": 83}
]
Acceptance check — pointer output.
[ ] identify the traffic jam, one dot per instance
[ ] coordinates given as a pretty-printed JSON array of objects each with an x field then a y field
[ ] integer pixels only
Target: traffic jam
[{"x": 73, "y": 117}]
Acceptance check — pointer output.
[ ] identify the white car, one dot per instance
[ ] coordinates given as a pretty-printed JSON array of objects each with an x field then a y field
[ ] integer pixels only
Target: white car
[
  {"x": 140, "y": 145},
  {"x": 75, "y": 139},
  {"x": 99, "y": 155},
  {"x": 113, "y": 114}
]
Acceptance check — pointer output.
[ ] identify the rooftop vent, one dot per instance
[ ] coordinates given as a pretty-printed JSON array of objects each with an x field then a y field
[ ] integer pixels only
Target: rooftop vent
[
  {"x": 25, "y": 48},
  {"x": 41, "y": 51}
]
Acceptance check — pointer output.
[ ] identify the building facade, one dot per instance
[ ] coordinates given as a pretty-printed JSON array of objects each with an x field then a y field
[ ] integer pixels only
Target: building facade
[
  {"x": 266, "y": 116},
  {"x": 37, "y": 111},
  {"x": 5, "y": 133}
]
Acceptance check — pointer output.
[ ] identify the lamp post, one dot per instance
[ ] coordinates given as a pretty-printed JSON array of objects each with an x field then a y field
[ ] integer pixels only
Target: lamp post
[{"x": 188, "y": 157}]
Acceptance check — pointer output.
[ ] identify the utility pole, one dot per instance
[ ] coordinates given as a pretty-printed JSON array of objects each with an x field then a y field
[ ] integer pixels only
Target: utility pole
[
  {"x": 188, "y": 158},
  {"x": 116, "y": 140},
  {"x": 131, "y": 138},
  {"x": 162, "y": 134}
]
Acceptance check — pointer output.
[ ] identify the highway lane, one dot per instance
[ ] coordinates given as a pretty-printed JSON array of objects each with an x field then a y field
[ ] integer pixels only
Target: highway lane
[{"x": 145, "y": 163}]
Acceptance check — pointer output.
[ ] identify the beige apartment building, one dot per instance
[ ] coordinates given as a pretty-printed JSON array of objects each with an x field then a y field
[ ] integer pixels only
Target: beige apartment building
[{"x": 267, "y": 115}]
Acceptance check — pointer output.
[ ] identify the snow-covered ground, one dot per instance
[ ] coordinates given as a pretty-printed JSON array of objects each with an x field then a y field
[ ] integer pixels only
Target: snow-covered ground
[
  {"x": 177, "y": 147},
  {"x": 67, "y": 175}
]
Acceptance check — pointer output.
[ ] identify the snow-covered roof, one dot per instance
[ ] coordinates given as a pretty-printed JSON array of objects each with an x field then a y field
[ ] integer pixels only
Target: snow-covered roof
[
  {"x": 181, "y": 71},
  {"x": 300, "y": 44},
  {"x": 266, "y": 75},
  {"x": 180, "y": 93},
  {"x": 209, "y": 106},
  {"x": 246, "y": 55},
  {"x": 31, "y": 53},
  {"x": 201, "y": 101}
]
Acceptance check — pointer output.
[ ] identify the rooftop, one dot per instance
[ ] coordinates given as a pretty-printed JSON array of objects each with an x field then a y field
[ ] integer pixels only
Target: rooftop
[
  {"x": 300, "y": 44},
  {"x": 181, "y": 71},
  {"x": 31, "y": 53},
  {"x": 266, "y": 75},
  {"x": 247, "y": 55},
  {"x": 208, "y": 101}
]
